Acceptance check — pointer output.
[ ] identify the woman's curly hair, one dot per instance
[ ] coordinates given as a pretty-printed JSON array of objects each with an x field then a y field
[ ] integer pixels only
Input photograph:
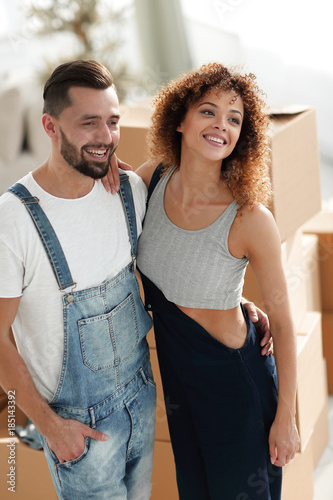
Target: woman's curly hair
[{"x": 246, "y": 169}]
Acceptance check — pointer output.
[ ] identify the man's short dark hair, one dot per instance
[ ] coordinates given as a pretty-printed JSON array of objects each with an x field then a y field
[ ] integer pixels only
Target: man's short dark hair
[{"x": 80, "y": 73}]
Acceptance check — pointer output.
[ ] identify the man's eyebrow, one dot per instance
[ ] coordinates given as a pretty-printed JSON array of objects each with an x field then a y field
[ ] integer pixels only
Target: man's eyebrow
[
  {"x": 98, "y": 117},
  {"x": 215, "y": 106}
]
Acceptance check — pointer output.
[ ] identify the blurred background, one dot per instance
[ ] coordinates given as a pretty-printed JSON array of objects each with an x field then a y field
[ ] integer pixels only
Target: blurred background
[{"x": 287, "y": 44}]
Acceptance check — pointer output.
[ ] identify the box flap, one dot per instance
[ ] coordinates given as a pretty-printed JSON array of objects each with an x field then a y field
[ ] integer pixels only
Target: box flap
[{"x": 292, "y": 109}]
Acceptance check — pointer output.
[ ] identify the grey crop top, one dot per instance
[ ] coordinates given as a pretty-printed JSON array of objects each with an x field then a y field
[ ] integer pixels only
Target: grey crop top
[{"x": 191, "y": 268}]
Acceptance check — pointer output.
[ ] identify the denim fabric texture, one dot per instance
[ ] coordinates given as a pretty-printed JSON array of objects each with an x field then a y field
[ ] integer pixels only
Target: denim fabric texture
[
  {"x": 106, "y": 380},
  {"x": 52, "y": 245}
]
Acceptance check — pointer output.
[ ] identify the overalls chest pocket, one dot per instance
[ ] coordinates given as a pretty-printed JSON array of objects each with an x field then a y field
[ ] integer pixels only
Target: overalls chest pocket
[{"x": 109, "y": 339}]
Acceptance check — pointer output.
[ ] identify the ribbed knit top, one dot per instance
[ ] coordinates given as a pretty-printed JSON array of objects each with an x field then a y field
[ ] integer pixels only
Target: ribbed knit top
[{"x": 192, "y": 268}]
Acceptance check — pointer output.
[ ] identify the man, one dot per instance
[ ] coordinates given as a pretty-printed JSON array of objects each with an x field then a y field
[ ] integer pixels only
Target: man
[{"x": 82, "y": 371}]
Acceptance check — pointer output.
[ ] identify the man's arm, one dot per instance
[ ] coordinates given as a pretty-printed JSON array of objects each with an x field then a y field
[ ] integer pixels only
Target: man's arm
[
  {"x": 261, "y": 323},
  {"x": 65, "y": 437}
]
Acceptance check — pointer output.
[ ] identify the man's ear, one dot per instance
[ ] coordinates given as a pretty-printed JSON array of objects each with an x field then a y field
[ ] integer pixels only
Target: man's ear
[{"x": 48, "y": 123}]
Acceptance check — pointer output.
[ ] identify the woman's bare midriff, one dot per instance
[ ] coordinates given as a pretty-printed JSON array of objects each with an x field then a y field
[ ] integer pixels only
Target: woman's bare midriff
[{"x": 228, "y": 327}]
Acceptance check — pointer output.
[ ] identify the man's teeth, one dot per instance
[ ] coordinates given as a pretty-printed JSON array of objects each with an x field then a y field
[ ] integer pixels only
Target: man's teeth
[
  {"x": 96, "y": 152},
  {"x": 215, "y": 139}
]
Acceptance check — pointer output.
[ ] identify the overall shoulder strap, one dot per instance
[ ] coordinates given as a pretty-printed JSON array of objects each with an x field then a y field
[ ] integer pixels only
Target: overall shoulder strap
[
  {"x": 154, "y": 180},
  {"x": 126, "y": 196},
  {"x": 47, "y": 235}
]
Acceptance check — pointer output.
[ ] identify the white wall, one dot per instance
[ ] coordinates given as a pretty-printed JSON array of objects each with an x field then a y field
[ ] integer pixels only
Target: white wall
[{"x": 287, "y": 44}]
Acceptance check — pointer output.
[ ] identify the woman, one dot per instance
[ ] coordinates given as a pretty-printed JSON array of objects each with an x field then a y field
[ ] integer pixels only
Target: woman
[{"x": 205, "y": 222}]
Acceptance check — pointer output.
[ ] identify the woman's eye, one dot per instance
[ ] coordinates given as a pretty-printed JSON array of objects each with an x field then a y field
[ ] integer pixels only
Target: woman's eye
[
  {"x": 235, "y": 120},
  {"x": 207, "y": 112}
]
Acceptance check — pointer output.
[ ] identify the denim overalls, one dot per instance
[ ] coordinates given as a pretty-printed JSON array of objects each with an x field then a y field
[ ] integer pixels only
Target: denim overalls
[{"x": 106, "y": 380}]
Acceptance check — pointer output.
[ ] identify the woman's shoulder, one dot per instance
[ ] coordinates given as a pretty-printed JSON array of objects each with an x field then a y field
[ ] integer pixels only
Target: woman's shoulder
[
  {"x": 256, "y": 212},
  {"x": 256, "y": 221},
  {"x": 257, "y": 226},
  {"x": 146, "y": 170}
]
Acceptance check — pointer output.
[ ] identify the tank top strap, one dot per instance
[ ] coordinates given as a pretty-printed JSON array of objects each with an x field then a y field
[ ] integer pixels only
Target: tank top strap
[{"x": 225, "y": 222}]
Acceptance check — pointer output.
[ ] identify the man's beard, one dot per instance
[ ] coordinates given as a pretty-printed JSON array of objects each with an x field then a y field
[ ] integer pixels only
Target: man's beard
[{"x": 91, "y": 168}]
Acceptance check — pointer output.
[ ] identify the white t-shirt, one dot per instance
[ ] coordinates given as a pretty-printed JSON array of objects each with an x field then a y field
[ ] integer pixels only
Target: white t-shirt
[{"x": 93, "y": 234}]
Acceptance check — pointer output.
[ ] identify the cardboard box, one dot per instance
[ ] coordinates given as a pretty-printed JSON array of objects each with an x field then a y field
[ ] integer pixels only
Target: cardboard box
[
  {"x": 311, "y": 382},
  {"x": 297, "y": 483},
  {"x": 3, "y": 399},
  {"x": 322, "y": 226},
  {"x": 162, "y": 430},
  {"x": 164, "y": 473},
  {"x": 134, "y": 124},
  {"x": 32, "y": 479},
  {"x": 295, "y": 171},
  {"x": 20, "y": 418},
  {"x": 311, "y": 269},
  {"x": 325, "y": 257},
  {"x": 291, "y": 248},
  {"x": 151, "y": 339},
  {"x": 322, "y": 222},
  {"x": 327, "y": 331},
  {"x": 321, "y": 433}
]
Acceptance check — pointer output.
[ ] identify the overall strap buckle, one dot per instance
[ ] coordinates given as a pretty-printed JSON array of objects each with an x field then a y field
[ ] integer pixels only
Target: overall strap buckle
[{"x": 29, "y": 200}]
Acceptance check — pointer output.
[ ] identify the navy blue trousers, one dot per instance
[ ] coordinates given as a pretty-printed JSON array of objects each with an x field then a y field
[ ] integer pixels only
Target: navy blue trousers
[{"x": 220, "y": 405}]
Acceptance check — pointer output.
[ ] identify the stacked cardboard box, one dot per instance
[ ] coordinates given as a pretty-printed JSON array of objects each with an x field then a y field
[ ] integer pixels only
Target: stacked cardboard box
[
  {"x": 23, "y": 470},
  {"x": 32, "y": 480},
  {"x": 134, "y": 124},
  {"x": 296, "y": 184},
  {"x": 321, "y": 226},
  {"x": 295, "y": 176},
  {"x": 164, "y": 474}
]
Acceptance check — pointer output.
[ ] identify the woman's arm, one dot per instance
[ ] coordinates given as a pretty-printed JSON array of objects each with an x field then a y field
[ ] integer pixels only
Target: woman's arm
[
  {"x": 111, "y": 180},
  {"x": 263, "y": 249},
  {"x": 146, "y": 170}
]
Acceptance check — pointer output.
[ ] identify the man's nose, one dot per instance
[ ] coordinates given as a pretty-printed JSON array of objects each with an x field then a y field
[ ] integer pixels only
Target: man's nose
[{"x": 103, "y": 134}]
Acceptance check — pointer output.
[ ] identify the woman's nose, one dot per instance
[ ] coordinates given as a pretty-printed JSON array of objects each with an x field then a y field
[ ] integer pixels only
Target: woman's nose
[{"x": 220, "y": 124}]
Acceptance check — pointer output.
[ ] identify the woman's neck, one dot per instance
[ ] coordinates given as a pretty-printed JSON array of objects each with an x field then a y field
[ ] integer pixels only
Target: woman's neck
[{"x": 197, "y": 182}]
